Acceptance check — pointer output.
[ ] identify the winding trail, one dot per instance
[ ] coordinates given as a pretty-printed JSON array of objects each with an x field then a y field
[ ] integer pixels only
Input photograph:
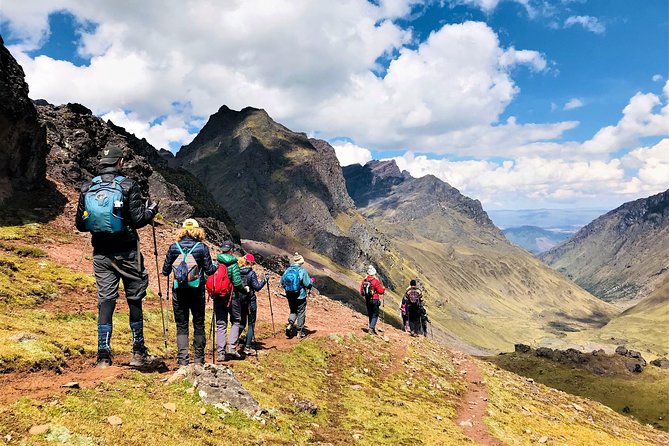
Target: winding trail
[{"x": 473, "y": 405}]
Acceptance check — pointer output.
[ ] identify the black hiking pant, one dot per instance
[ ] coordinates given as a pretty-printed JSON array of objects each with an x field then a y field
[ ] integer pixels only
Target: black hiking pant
[
  {"x": 415, "y": 317},
  {"x": 373, "y": 306},
  {"x": 187, "y": 301},
  {"x": 110, "y": 270},
  {"x": 298, "y": 311}
]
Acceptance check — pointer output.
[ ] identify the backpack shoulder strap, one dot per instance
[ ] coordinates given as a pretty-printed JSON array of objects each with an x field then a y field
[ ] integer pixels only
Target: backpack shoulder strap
[
  {"x": 96, "y": 180},
  {"x": 190, "y": 251},
  {"x": 180, "y": 249}
]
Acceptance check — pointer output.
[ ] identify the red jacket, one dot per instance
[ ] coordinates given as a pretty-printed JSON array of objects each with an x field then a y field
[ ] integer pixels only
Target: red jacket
[{"x": 376, "y": 286}]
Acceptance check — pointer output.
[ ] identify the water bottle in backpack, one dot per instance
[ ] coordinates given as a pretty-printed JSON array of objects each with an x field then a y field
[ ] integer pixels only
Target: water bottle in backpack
[{"x": 103, "y": 203}]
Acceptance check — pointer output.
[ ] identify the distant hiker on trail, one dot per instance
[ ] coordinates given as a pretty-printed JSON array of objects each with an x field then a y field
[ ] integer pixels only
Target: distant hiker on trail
[
  {"x": 297, "y": 283},
  {"x": 413, "y": 302},
  {"x": 249, "y": 304},
  {"x": 371, "y": 289},
  {"x": 232, "y": 307},
  {"x": 190, "y": 260},
  {"x": 111, "y": 208}
]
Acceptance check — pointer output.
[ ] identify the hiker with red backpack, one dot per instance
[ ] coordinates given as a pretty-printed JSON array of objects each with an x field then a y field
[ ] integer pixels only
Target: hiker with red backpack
[
  {"x": 371, "y": 289},
  {"x": 415, "y": 312},
  {"x": 189, "y": 260},
  {"x": 228, "y": 308},
  {"x": 249, "y": 304},
  {"x": 297, "y": 284}
]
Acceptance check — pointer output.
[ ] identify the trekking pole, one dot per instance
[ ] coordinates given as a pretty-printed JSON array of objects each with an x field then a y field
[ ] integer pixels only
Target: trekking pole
[
  {"x": 213, "y": 334},
  {"x": 160, "y": 291},
  {"x": 271, "y": 311}
]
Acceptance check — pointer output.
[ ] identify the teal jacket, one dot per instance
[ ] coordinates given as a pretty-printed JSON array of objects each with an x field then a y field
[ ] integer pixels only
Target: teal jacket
[
  {"x": 230, "y": 262},
  {"x": 304, "y": 279}
]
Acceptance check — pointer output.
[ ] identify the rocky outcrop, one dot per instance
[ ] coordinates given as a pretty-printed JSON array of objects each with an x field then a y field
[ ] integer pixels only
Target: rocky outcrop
[
  {"x": 623, "y": 254},
  {"x": 597, "y": 362},
  {"x": 76, "y": 138},
  {"x": 23, "y": 145},
  {"x": 280, "y": 186}
]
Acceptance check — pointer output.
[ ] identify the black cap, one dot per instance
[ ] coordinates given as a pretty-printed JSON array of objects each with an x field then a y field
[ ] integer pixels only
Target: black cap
[
  {"x": 413, "y": 282},
  {"x": 226, "y": 246},
  {"x": 110, "y": 155}
]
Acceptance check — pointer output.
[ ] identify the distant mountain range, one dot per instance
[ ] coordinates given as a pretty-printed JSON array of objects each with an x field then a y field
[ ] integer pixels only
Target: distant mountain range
[
  {"x": 622, "y": 255},
  {"x": 534, "y": 239},
  {"x": 558, "y": 220}
]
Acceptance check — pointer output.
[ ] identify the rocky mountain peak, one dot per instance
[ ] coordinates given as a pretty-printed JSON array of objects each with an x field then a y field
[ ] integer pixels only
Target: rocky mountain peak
[{"x": 384, "y": 169}]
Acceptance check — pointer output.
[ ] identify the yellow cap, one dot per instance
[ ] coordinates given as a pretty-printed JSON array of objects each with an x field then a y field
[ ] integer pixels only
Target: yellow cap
[{"x": 190, "y": 223}]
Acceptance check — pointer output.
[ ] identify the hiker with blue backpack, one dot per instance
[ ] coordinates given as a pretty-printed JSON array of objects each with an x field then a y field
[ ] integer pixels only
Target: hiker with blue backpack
[
  {"x": 297, "y": 284},
  {"x": 232, "y": 307},
  {"x": 189, "y": 260},
  {"x": 111, "y": 208}
]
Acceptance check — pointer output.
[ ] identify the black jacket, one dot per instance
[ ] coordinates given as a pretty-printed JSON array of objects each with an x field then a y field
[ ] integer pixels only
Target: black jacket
[
  {"x": 134, "y": 213},
  {"x": 200, "y": 254},
  {"x": 250, "y": 279}
]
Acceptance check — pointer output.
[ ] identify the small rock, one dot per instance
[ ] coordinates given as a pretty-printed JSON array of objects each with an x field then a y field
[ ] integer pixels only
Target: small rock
[
  {"x": 39, "y": 429},
  {"x": 21, "y": 337},
  {"x": 521, "y": 348},
  {"x": 385, "y": 338},
  {"x": 356, "y": 387},
  {"x": 190, "y": 390},
  {"x": 114, "y": 420},
  {"x": 71, "y": 385},
  {"x": 528, "y": 431},
  {"x": 170, "y": 406},
  {"x": 439, "y": 417},
  {"x": 579, "y": 408},
  {"x": 543, "y": 440},
  {"x": 530, "y": 380},
  {"x": 466, "y": 423},
  {"x": 203, "y": 411},
  {"x": 357, "y": 437}
]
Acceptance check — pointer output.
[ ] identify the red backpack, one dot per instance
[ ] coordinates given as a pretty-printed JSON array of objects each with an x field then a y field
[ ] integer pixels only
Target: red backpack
[{"x": 218, "y": 285}]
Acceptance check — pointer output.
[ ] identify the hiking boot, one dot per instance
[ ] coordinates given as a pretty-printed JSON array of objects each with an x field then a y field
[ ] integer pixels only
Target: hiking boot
[
  {"x": 301, "y": 335},
  {"x": 372, "y": 331},
  {"x": 289, "y": 330},
  {"x": 233, "y": 354},
  {"x": 182, "y": 363},
  {"x": 103, "y": 363},
  {"x": 248, "y": 350},
  {"x": 141, "y": 358}
]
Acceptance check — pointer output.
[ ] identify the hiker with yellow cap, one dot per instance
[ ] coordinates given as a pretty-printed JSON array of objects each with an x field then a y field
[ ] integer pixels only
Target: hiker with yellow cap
[
  {"x": 297, "y": 283},
  {"x": 190, "y": 260}
]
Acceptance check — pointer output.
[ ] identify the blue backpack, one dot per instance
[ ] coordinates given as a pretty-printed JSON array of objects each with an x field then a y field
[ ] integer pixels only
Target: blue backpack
[
  {"x": 103, "y": 204},
  {"x": 291, "y": 280},
  {"x": 187, "y": 272}
]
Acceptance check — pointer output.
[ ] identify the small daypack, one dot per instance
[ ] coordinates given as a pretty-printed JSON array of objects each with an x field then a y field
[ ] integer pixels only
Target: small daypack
[
  {"x": 367, "y": 289},
  {"x": 103, "y": 203},
  {"x": 291, "y": 280},
  {"x": 187, "y": 271},
  {"x": 413, "y": 296},
  {"x": 218, "y": 285}
]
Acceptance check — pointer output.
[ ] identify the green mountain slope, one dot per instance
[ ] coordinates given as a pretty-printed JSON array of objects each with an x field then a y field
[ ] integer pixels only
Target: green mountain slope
[
  {"x": 479, "y": 287},
  {"x": 622, "y": 255}
]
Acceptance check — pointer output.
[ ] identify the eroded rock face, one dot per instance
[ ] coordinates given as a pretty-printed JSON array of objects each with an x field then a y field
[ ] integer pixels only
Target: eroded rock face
[
  {"x": 23, "y": 145},
  {"x": 76, "y": 138}
]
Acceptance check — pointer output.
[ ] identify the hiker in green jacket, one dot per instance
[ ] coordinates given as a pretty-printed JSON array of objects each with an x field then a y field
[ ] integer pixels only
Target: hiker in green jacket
[{"x": 223, "y": 307}]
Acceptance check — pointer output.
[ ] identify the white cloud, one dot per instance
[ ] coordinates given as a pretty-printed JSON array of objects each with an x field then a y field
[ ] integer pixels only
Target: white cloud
[
  {"x": 588, "y": 23},
  {"x": 573, "y": 103},
  {"x": 652, "y": 164},
  {"x": 348, "y": 153},
  {"x": 657, "y": 78},
  {"x": 172, "y": 129}
]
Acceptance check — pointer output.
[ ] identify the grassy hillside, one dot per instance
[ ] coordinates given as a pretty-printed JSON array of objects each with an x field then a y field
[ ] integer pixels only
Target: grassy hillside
[{"x": 365, "y": 388}]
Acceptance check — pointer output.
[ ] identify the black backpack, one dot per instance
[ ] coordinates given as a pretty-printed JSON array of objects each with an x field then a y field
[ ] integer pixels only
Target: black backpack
[
  {"x": 367, "y": 289},
  {"x": 413, "y": 296}
]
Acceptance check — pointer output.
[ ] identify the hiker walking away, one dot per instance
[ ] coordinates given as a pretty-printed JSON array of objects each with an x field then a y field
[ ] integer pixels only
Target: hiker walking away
[
  {"x": 229, "y": 308},
  {"x": 403, "y": 314},
  {"x": 190, "y": 260},
  {"x": 414, "y": 308},
  {"x": 371, "y": 289},
  {"x": 111, "y": 208},
  {"x": 249, "y": 305},
  {"x": 297, "y": 283}
]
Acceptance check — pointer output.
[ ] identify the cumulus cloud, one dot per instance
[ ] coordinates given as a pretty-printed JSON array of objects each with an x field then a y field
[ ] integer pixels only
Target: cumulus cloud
[
  {"x": 573, "y": 103},
  {"x": 349, "y": 153},
  {"x": 172, "y": 129},
  {"x": 588, "y": 23},
  {"x": 652, "y": 164},
  {"x": 657, "y": 78}
]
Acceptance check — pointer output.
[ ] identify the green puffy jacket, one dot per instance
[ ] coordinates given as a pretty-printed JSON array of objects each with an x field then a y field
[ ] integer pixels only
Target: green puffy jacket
[{"x": 230, "y": 262}]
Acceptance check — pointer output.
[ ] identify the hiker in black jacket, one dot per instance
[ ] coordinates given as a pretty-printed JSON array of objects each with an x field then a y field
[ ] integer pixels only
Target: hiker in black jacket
[
  {"x": 116, "y": 253},
  {"x": 191, "y": 253},
  {"x": 249, "y": 304}
]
